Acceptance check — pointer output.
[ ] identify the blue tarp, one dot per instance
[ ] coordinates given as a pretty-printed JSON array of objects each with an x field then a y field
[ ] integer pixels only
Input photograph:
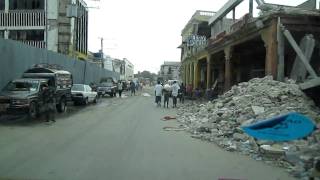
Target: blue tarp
[{"x": 282, "y": 128}]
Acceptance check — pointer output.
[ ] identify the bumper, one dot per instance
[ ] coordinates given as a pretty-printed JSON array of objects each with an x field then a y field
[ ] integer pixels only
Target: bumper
[
  {"x": 78, "y": 98},
  {"x": 14, "y": 109}
]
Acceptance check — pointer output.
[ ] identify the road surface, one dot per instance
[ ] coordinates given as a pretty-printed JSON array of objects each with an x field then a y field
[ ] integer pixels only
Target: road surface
[{"x": 118, "y": 139}]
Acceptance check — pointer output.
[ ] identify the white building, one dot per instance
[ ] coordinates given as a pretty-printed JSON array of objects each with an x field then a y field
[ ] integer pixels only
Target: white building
[
  {"x": 57, "y": 25},
  {"x": 125, "y": 68},
  {"x": 170, "y": 70},
  {"x": 129, "y": 70},
  {"x": 108, "y": 63}
]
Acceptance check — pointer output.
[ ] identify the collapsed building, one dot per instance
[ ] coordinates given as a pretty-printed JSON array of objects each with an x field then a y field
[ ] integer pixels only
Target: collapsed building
[
  {"x": 264, "y": 62},
  {"x": 220, "y": 50}
]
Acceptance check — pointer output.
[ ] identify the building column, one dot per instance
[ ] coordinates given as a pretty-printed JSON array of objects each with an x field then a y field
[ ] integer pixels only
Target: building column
[
  {"x": 269, "y": 36},
  {"x": 185, "y": 74},
  {"x": 6, "y": 5},
  {"x": 197, "y": 74},
  {"x": 228, "y": 66},
  {"x": 191, "y": 74},
  {"x": 208, "y": 72}
]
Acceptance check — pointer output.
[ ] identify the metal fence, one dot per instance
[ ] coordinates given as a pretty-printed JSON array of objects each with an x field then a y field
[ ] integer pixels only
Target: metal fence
[{"x": 16, "y": 57}]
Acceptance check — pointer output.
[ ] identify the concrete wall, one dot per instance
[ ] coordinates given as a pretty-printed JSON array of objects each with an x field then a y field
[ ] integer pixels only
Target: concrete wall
[{"x": 15, "y": 58}]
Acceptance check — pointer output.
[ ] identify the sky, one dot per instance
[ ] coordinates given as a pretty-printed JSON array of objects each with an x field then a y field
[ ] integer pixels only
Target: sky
[{"x": 147, "y": 32}]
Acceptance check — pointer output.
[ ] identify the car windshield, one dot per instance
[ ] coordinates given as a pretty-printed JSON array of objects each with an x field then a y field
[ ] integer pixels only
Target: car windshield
[
  {"x": 106, "y": 84},
  {"x": 22, "y": 86},
  {"x": 77, "y": 87}
]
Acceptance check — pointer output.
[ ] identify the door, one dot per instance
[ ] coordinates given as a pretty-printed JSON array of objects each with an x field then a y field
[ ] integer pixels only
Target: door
[{"x": 89, "y": 93}]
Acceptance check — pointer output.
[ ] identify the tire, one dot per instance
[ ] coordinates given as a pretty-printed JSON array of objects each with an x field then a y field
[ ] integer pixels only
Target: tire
[
  {"x": 62, "y": 106},
  {"x": 86, "y": 102},
  {"x": 33, "y": 111}
]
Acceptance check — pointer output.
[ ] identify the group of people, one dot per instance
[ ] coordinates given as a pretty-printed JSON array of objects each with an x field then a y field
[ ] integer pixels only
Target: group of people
[
  {"x": 174, "y": 90},
  {"x": 133, "y": 87}
]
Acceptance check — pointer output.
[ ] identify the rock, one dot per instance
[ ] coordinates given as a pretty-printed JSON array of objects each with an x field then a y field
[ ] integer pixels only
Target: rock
[
  {"x": 257, "y": 110},
  {"x": 240, "y": 137},
  {"x": 272, "y": 151}
]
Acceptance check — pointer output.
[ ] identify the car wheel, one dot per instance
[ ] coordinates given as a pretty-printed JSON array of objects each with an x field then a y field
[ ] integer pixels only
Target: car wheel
[
  {"x": 86, "y": 101},
  {"x": 95, "y": 100},
  {"x": 33, "y": 110},
  {"x": 62, "y": 106}
]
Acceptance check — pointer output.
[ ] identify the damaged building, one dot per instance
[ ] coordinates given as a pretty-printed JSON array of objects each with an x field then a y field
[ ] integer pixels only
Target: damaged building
[{"x": 221, "y": 49}]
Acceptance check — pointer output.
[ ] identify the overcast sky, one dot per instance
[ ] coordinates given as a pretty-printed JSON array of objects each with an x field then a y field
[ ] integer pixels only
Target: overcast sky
[{"x": 147, "y": 32}]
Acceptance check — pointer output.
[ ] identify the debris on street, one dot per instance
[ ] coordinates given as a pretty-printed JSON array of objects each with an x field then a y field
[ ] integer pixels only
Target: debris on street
[
  {"x": 220, "y": 122},
  {"x": 168, "y": 118},
  {"x": 168, "y": 128}
]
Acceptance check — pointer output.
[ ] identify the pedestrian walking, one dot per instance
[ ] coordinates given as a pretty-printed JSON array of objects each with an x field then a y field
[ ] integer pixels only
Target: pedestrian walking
[
  {"x": 158, "y": 92},
  {"x": 182, "y": 92},
  {"x": 175, "y": 92},
  {"x": 133, "y": 88},
  {"x": 48, "y": 103},
  {"x": 120, "y": 88},
  {"x": 166, "y": 95}
]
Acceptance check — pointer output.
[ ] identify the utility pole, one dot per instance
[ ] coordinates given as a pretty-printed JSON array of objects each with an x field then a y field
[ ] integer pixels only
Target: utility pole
[{"x": 101, "y": 51}]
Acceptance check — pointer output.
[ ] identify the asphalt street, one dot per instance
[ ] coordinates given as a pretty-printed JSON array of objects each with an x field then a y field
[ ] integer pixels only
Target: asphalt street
[{"x": 117, "y": 139}]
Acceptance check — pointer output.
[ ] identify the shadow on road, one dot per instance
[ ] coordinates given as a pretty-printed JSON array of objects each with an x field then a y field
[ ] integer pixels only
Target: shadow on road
[{"x": 24, "y": 120}]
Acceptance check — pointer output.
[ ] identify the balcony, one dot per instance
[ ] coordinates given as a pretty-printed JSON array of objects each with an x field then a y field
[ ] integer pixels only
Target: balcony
[
  {"x": 22, "y": 18},
  {"x": 194, "y": 45},
  {"x": 37, "y": 44}
]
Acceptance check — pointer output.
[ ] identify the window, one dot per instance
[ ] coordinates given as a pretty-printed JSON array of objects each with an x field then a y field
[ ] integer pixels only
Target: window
[
  {"x": 26, "y": 4},
  {"x": 29, "y": 35},
  {"x": 2, "y": 4},
  {"x": 1, "y": 34}
]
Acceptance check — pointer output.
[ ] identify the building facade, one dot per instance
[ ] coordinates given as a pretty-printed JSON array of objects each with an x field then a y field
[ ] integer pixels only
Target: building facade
[
  {"x": 60, "y": 26},
  {"x": 125, "y": 68},
  {"x": 251, "y": 45},
  {"x": 170, "y": 70}
]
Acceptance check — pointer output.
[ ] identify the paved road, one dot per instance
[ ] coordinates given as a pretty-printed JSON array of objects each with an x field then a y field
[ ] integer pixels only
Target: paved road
[{"x": 117, "y": 139}]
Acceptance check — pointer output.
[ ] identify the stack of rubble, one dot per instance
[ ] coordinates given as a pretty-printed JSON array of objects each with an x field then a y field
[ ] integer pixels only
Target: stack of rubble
[{"x": 220, "y": 122}]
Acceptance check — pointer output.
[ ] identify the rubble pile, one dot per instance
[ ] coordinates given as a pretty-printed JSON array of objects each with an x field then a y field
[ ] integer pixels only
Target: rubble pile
[{"x": 220, "y": 122}]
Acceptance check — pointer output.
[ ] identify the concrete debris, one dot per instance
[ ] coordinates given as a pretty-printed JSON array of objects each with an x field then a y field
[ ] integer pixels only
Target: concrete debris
[
  {"x": 219, "y": 121},
  {"x": 167, "y": 128}
]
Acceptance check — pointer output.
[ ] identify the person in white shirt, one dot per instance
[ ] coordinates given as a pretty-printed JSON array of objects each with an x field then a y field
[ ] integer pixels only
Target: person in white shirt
[
  {"x": 175, "y": 91},
  {"x": 158, "y": 93}
]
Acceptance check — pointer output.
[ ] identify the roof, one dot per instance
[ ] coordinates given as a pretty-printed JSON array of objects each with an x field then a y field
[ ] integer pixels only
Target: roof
[
  {"x": 46, "y": 70},
  {"x": 198, "y": 16},
  {"x": 29, "y": 79},
  {"x": 171, "y": 63}
]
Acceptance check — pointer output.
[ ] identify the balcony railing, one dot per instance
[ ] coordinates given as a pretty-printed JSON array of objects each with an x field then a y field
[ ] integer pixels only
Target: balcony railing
[
  {"x": 37, "y": 44},
  {"x": 22, "y": 18},
  {"x": 194, "y": 45}
]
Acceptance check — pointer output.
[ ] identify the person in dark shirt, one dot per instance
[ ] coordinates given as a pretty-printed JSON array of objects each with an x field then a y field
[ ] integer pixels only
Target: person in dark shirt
[
  {"x": 133, "y": 88},
  {"x": 48, "y": 102},
  {"x": 182, "y": 92}
]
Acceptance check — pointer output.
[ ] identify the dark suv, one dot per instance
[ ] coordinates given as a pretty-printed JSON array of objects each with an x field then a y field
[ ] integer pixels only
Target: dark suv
[
  {"x": 22, "y": 96},
  {"x": 107, "y": 86}
]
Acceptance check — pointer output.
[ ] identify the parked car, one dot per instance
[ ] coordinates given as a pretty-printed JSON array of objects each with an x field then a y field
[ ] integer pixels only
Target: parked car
[
  {"x": 22, "y": 96},
  {"x": 83, "y": 94},
  {"x": 107, "y": 86}
]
